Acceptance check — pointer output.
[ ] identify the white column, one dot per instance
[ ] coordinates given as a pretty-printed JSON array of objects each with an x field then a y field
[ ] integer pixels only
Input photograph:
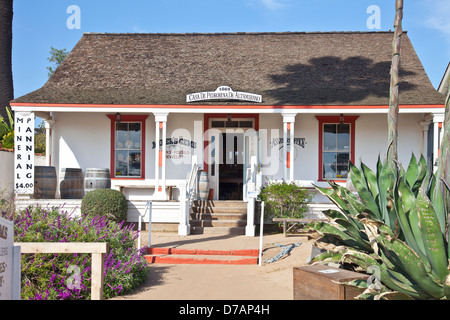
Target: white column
[
  {"x": 164, "y": 148},
  {"x": 291, "y": 164},
  {"x": 437, "y": 118},
  {"x": 288, "y": 125},
  {"x": 425, "y": 127},
  {"x": 156, "y": 156},
  {"x": 48, "y": 141},
  {"x": 161, "y": 131},
  {"x": 285, "y": 150}
]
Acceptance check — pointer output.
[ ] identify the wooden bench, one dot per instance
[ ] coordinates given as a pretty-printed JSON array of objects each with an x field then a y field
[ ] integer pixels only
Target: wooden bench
[
  {"x": 143, "y": 186},
  {"x": 294, "y": 221}
]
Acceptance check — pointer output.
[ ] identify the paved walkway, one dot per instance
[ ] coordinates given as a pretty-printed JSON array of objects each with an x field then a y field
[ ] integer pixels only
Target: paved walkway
[{"x": 270, "y": 281}]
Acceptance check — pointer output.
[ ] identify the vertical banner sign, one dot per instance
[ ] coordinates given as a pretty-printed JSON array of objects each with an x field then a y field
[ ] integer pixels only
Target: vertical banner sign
[{"x": 24, "y": 153}]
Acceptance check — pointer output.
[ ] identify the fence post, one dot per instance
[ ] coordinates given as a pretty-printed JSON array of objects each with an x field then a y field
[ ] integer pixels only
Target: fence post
[{"x": 97, "y": 276}]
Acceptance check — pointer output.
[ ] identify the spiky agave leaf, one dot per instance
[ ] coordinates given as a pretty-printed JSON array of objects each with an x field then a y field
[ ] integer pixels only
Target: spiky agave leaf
[{"x": 401, "y": 255}]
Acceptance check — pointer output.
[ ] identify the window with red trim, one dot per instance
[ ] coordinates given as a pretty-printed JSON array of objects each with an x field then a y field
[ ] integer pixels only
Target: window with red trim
[
  {"x": 336, "y": 146},
  {"x": 128, "y": 147}
]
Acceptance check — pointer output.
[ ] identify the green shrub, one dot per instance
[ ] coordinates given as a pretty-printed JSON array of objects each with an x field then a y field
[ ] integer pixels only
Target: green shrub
[
  {"x": 283, "y": 199},
  {"x": 105, "y": 202}
]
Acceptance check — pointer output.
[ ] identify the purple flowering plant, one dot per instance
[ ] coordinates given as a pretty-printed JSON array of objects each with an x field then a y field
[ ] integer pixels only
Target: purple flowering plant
[{"x": 68, "y": 276}]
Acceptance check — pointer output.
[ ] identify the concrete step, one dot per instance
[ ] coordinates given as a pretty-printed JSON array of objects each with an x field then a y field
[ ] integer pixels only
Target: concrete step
[
  {"x": 219, "y": 216},
  {"x": 218, "y": 230},
  {"x": 218, "y": 223},
  {"x": 220, "y": 203},
  {"x": 198, "y": 256},
  {"x": 223, "y": 209}
]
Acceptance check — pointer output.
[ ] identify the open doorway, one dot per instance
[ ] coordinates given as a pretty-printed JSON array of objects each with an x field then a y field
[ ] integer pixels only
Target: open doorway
[
  {"x": 231, "y": 174},
  {"x": 227, "y": 155}
]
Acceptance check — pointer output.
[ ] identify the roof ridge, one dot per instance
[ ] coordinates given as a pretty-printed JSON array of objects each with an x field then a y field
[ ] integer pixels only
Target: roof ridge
[{"x": 234, "y": 33}]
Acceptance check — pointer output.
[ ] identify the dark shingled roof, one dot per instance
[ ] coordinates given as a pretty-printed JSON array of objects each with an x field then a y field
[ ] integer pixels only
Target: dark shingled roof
[{"x": 289, "y": 68}]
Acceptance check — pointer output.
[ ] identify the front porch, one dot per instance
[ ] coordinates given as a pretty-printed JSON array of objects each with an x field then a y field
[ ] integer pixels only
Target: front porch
[{"x": 262, "y": 150}]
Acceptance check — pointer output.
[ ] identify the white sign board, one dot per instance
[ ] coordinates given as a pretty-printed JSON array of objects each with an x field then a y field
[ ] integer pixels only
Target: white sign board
[
  {"x": 223, "y": 93},
  {"x": 24, "y": 153},
  {"x": 9, "y": 283}
]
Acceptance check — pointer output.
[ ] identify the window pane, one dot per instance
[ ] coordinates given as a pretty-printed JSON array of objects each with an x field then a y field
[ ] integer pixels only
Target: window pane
[
  {"x": 342, "y": 164},
  {"x": 135, "y": 135},
  {"x": 218, "y": 124},
  {"x": 121, "y": 163},
  {"x": 329, "y": 165},
  {"x": 232, "y": 124},
  {"x": 246, "y": 124},
  {"x": 121, "y": 135},
  {"x": 343, "y": 138},
  {"x": 135, "y": 164},
  {"x": 329, "y": 137},
  {"x": 128, "y": 149}
]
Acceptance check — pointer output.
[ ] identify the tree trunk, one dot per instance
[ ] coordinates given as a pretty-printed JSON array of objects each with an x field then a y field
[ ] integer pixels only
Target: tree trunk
[
  {"x": 6, "y": 78},
  {"x": 394, "y": 102},
  {"x": 441, "y": 194}
]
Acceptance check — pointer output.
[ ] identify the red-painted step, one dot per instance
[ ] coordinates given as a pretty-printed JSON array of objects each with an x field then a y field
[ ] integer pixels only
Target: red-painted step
[
  {"x": 201, "y": 256},
  {"x": 238, "y": 252},
  {"x": 191, "y": 260}
]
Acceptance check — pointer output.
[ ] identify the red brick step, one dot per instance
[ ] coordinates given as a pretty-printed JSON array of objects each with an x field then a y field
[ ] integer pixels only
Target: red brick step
[{"x": 201, "y": 256}]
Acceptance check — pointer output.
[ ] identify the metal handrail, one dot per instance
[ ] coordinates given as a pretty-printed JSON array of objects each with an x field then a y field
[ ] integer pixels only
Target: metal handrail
[{"x": 148, "y": 206}]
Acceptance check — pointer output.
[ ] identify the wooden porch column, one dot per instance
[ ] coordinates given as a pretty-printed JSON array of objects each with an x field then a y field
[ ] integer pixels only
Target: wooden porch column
[
  {"x": 437, "y": 119},
  {"x": 288, "y": 125},
  {"x": 160, "y": 156},
  {"x": 48, "y": 141}
]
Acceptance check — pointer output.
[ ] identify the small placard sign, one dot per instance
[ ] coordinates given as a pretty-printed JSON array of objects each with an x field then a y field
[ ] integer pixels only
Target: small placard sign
[
  {"x": 223, "y": 93},
  {"x": 9, "y": 284}
]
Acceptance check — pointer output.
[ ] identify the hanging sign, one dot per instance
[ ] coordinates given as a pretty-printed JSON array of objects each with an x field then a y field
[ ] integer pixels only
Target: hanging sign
[
  {"x": 223, "y": 93},
  {"x": 24, "y": 153}
]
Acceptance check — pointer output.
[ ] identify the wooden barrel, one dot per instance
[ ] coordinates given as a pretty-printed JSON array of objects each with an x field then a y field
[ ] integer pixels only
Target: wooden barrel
[
  {"x": 96, "y": 178},
  {"x": 45, "y": 182},
  {"x": 203, "y": 185},
  {"x": 71, "y": 183}
]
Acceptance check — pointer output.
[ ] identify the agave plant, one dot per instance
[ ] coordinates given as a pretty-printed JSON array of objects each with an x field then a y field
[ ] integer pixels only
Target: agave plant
[
  {"x": 374, "y": 199},
  {"x": 392, "y": 227}
]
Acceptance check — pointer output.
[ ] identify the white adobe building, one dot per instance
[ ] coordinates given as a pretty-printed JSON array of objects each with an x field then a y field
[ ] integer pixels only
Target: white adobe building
[{"x": 153, "y": 107}]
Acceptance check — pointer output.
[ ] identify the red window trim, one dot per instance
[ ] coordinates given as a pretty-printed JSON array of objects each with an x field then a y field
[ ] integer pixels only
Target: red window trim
[
  {"x": 127, "y": 118},
  {"x": 336, "y": 119},
  {"x": 208, "y": 116}
]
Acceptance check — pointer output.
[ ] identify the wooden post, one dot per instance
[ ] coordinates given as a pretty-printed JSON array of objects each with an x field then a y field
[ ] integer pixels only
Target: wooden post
[
  {"x": 97, "y": 249},
  {"x": 97, "y": 277}
]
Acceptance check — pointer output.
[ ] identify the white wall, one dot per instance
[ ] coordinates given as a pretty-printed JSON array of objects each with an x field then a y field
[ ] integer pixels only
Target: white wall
[
  {"x": 370, "y": 141},
  {"x": 7, "y": 172},
  {"x": 372, "y": 137},
  {"x": 83, "y": 141}
]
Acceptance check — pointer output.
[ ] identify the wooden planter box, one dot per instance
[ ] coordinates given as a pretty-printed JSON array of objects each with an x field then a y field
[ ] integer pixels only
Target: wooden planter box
[{"x": 321, "y": 282}]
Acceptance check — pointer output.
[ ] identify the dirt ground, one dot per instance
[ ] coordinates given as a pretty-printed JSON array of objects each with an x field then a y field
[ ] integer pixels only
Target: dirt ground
[{"x": 270, "y": 281}]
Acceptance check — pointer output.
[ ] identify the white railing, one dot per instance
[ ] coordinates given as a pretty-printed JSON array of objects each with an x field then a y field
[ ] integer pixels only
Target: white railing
[
  {"x": 253, "y": 185},
  {"x": 188, "y": 193},
  {"x": 148, "y": 208}
]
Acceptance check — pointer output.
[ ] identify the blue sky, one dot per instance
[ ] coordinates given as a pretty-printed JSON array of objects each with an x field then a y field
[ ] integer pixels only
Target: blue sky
[{"x": 39, "y": 25}]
